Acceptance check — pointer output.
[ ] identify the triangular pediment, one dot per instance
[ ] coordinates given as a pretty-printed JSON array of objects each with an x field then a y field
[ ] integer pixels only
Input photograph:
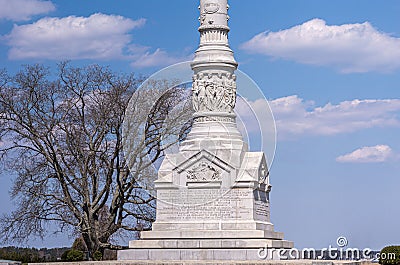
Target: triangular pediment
[
  {"x": 254, "y": 168},
  {"x": 203, "y": 161}
]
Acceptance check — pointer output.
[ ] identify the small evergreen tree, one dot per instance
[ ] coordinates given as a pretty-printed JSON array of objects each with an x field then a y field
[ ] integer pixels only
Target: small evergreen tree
[{"x": 390, "y": 255}]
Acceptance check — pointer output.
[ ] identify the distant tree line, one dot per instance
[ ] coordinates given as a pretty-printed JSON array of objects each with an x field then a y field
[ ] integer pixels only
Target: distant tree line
[{"x": 31, "y": 255}]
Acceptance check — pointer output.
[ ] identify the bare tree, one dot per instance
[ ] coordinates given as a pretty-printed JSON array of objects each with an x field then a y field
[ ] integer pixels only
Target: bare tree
[{"x": 63, "y": 137}]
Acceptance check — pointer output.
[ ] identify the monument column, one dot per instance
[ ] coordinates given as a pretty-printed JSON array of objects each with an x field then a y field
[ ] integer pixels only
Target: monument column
[
  {"x": 214, "y": 82},
  {"x": 214, "y": 88},
  {"x": 213, "y": 195}
]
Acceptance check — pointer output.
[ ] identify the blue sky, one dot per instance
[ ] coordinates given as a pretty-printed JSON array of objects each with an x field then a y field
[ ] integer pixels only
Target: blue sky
[{"x": 330, "y": 70}]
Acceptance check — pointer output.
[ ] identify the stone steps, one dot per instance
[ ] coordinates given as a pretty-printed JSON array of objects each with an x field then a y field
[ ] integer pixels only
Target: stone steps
[
  {"x": 236, "y": 254},
  {"x": 212, "y": 225},
  {"x": 209, "y": 243},
  {"x": 211, "y": 234}
]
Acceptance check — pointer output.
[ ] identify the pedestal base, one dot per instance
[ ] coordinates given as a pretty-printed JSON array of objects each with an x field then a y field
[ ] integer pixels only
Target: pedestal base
[
  {"x": 237, "y": 252},
  {"x": 227, "y": 262}
]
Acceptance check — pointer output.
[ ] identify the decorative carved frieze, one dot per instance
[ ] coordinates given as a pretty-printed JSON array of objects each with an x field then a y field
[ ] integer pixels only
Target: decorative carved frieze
[{"x": 214, "y": 92}]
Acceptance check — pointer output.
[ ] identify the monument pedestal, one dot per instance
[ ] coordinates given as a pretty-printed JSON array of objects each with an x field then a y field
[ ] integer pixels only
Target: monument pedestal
[{"x": 212, "y": 219}]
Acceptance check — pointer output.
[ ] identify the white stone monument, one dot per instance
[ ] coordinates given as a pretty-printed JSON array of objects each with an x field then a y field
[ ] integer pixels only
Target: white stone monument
[{"x": 213, "y": 195}]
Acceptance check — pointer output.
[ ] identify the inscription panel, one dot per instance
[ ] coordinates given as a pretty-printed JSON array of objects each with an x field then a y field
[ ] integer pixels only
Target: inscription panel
[
  {"x": 204, "y": 204},
  {"x": 261, "y": 211}
]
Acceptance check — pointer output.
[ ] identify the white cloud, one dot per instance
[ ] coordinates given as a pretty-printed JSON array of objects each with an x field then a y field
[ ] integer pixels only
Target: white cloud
[
  {"x": 96, "y": 37},
  {"x": 21, "y": 10},
  {"x": 100, "y": 36},
  {"x": 296, "y": 117},
  {"x": 369, "y": 154},
  {"x": 347, "y": 47},
  {"x": 142, "y": 57}
]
